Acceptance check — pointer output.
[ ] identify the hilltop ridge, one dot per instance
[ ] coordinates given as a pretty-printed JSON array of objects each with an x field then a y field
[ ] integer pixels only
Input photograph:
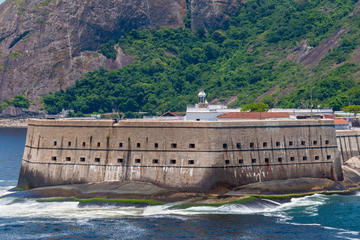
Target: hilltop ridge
[
  {"x": 46, "y": 45},
  {"x": 280, "y": 52},
  {"x": 154, "y": 55}
]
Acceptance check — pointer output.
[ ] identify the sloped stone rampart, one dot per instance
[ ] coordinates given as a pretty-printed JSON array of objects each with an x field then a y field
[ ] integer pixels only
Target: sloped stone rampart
[{"x": 183, "y": 155}]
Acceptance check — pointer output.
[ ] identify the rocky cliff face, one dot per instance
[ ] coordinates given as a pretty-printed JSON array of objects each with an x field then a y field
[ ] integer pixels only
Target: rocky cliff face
[{"x": 46, "y": 45}]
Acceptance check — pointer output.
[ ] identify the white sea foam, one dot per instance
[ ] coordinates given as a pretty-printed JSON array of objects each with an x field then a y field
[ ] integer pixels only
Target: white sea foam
[
  {"x": 271, "y": 201},
  {"x": 13, "y": 207},
  {"x": 4, "y": 190},
  {"x": 343, "y": 231},
  {"x": 339, "y": 231},
  {"x": 266, "y": 207}
]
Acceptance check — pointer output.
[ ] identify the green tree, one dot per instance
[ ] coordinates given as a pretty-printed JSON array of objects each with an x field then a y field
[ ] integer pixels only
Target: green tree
[
  {"x": 20, "y": 101},
  {"x": 269, "y": 100},
  {"x": 108, "y": 49},
  {"x": 255, "y": 107},
  {"x": 3, "y": 106},
  {"x": 352, "y": 109}
]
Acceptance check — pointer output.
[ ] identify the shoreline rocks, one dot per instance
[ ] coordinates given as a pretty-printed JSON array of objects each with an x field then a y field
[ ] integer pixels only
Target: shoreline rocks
[
  {"x": 13, "y": 123},
  {"x": 146, "y": 193}
]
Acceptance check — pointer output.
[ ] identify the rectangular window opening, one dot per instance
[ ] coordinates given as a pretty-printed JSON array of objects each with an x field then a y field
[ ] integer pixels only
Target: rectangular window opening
[
  {"x": 292, "y": 159},
  {"x": 138, "y": 145},
  {"x": 156, "y": 145},
  {"x": 69, "y": 144},
  {"x": 227, "y": 162},
  {"x": 303, "y": 143},
  {"x": 314, "y": 142},
  {"x": 82, "y": 159},
  {"x": 55, "y": 143},
  {"x": 191, "y": 162},
  {"x": 173, "y": 161},
  {"x": 191, "y": 145},
  {"x": 83, "y": 144},
  {"x": 277, "y": 144},
  {"x": 120, "y": 160},
  {"x": 327, "y": 142},
  {"x": 68, "y": 159},
  {"x": 241, "y": 161},
  {"x": 53, "y": 158},
  {"x": 121, "y": 145},
  {"x": 225, "y": 145},
  {"x": 328, "y": 157},
  {"x": 253, "y": 160},
  {"x": 173, "y": 145},
  {"x": 238, "y": 145},
  {"x": 264, "y": 144},
  {"x": 98, "y": 144},
  {"x": 155, "y": 161},
  {"x": 316, "y": 158},
  {"x": 304, "y": 158},
  {"x": 267, "y": 160},
  {"x": 291, "y": 143},
  {"x": 97, "y": 159},
  {"x": 279, "y": 159},
  {"x": 252, "y": 144},
  {"x": 137, "y": 160}
]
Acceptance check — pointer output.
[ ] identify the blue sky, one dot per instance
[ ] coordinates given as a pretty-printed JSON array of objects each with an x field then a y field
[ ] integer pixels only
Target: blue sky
[{"x": 1, "y": 1}]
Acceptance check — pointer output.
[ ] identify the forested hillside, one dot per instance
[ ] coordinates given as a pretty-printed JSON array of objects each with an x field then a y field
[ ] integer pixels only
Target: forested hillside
[{"x": 281, "y": 52}]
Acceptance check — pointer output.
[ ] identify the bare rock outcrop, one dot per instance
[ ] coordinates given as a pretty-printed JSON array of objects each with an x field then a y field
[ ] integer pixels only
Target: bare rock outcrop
[
  {"x": 208, "y": 14},
  {"x": 46, "y": 45},
  {"x": 308, "y": 56}
]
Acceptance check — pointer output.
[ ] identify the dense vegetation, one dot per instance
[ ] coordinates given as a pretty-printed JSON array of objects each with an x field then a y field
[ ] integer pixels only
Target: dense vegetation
[
  {"x": 255, "y": 107},
  {"x": 246, "y": 58},
  {"x": 19, "y": 101},
  {"x": 352, "y": 109}
]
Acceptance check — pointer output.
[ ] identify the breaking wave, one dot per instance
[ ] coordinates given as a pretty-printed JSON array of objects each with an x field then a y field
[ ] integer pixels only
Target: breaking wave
[
  {"x": 4, "y": 190},
  {"x": 357, "y": 194},
  {"x": 18, "y": 207},
  {"x": 30, "y": 210}
]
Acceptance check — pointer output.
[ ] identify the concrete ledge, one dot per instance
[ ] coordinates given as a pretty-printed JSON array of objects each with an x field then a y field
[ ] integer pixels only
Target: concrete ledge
[{"x": 138, "y": 123}]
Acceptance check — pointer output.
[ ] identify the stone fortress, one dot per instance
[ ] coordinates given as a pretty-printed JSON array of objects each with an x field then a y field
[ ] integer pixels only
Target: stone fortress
[{"x": 189, "y": 155}]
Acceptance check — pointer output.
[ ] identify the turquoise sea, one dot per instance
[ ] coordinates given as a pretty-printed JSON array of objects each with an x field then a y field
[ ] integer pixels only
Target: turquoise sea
[{"x": 312, "y": 217}]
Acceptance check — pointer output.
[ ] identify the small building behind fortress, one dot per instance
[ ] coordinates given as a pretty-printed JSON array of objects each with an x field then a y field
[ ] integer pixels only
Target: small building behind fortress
[{"x": 182, "y": 154}]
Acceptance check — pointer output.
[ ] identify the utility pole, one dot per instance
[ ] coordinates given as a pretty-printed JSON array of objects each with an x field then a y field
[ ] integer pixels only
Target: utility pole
[{"x": 311, "y": 101}]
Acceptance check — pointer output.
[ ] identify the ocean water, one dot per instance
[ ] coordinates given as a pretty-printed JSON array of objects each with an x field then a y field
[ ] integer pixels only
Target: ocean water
[{"x": 311, "y": 217}]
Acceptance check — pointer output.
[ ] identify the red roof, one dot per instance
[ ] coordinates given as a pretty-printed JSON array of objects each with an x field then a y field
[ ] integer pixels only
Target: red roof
[
  {"x": 331, "y": 116},
  {"x": 173, "y": 114},
  {"x": 254, "y": 115},
  {"x": 340, "y": 121}
]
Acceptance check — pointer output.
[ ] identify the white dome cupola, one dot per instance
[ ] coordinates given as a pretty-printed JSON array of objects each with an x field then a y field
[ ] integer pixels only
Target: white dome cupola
[{"x": 202, "y": 96}]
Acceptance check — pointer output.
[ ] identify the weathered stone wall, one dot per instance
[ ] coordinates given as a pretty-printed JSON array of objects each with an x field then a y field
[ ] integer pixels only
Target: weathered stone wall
[
  {"x": 348, "y": 142},
  {"x": 206, "y": 153}
]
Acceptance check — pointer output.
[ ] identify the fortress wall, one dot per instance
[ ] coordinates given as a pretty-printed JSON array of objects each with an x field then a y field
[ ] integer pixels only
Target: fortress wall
[
  {"x": 232, "y": 153},
  {"x": 348, "y": 142}
]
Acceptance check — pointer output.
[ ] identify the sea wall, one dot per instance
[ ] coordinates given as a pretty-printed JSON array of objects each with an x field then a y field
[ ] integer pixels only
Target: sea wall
[
  {"x": 183, "y": 155},
  {"x": 348, "y": 143}
]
